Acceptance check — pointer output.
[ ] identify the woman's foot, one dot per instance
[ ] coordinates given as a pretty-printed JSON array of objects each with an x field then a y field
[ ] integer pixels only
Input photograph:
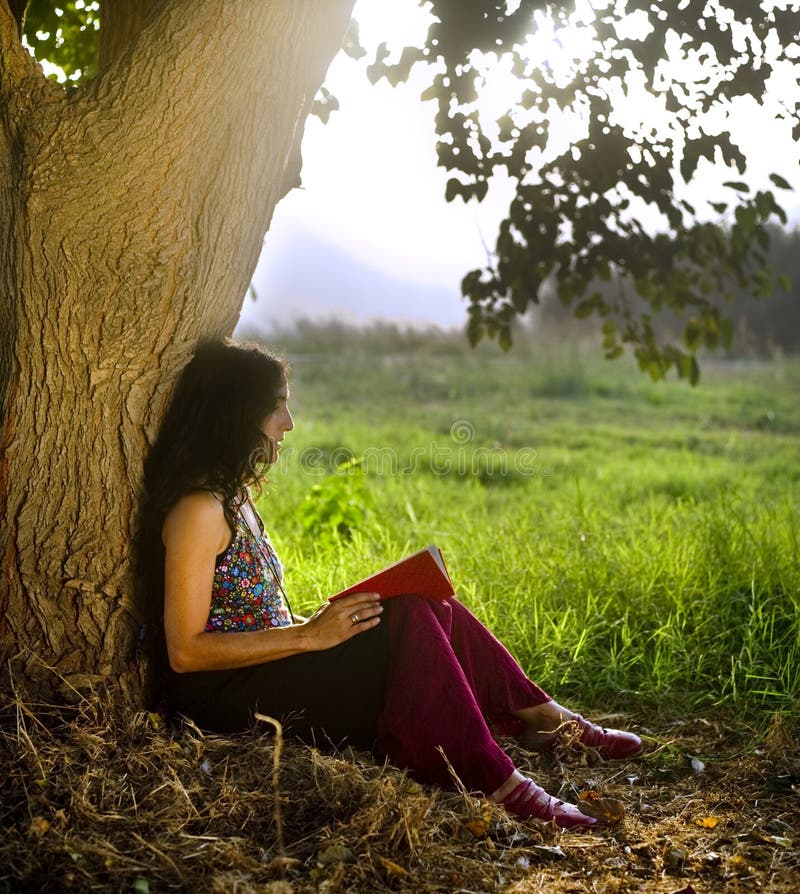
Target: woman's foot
[
  {"x": 527, "y": 800},
  {"x": 609, "y": 743},
  {"x": 547, "y": 723}
]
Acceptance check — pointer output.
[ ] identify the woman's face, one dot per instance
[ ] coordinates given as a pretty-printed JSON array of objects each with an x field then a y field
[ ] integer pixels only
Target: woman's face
[{"x": 279, "y": 420}]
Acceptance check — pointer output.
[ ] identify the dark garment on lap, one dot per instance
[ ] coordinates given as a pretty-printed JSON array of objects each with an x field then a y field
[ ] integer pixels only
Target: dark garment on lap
[{"x": 332, "y": 697}]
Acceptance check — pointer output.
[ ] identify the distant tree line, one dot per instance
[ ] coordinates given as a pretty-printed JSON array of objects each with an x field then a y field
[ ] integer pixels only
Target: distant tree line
[
  {"x": 761, "y": 326},
  {"x": 773, "y": 323}
]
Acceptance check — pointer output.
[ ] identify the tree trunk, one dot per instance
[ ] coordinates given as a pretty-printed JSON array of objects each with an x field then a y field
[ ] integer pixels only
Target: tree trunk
[
  {"x": 132, "y": 213},
  {"x": 121, "y": 20}
]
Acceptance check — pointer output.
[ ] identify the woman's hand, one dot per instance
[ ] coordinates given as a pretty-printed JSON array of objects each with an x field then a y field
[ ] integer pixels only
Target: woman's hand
[{"x": 334, "y": 622}]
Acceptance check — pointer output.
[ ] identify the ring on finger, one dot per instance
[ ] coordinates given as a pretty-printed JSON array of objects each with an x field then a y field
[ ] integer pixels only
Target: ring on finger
[{"x": 354, "y": 618}]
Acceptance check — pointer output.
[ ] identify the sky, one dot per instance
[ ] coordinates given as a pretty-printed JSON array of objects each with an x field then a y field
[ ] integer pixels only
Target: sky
[
  {"x": 371, "y": 213},
  {"x": 369, "y": 234}
]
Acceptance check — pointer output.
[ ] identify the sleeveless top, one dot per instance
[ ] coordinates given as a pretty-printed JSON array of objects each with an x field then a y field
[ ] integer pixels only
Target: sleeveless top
[{"x": 246, "y": 591}]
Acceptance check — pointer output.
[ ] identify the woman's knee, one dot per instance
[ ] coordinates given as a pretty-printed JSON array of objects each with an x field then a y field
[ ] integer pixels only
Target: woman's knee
[{"x": 416, "y": 615}]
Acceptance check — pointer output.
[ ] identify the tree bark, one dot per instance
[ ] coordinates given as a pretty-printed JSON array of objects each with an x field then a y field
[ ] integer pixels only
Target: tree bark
[
  {"x": 18, "y": 8},
  {"x": 121, "y": 21},
  {"x": 132, "y": 213}
]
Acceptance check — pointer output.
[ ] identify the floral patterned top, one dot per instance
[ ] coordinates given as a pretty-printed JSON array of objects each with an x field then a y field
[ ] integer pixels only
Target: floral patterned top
[{"x": 246, "y": 592}]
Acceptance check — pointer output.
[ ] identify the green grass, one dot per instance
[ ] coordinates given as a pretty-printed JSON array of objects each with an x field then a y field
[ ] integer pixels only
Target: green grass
[{"x": 635, "y": 544}]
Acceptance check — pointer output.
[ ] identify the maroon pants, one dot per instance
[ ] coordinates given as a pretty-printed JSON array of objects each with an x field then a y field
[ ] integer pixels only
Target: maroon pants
[
  {"x": 449, "y": 681},
  {"x": 429, "y": 677}
]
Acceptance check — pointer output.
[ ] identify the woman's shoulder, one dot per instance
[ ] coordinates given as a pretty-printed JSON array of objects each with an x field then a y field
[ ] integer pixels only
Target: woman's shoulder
[
  {"x": 198, "y": 500},
  {"x": 196, "y": 512}
]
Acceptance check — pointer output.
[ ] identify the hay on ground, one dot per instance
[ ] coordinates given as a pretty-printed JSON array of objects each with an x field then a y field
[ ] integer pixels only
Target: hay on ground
[{"x": 96, "y": 797}]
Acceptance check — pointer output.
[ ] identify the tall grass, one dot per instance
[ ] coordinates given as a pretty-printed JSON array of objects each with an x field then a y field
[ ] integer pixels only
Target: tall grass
[{"x": 635, "y": 544}]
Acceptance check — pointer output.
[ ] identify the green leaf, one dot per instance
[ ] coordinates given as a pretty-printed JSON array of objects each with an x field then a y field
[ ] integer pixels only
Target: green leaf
[
  {"x": 778, "y": 211},
  {"x": 429, "y": 93},
  {"x": 352, "y": 42},
  {"x": 506, "y": 125},
  {"x": 693, "y": 335},
  {"x": 454, "y": 188},
  {"x": 737, "y": 185},
  {"x": 324, "y": 103},
  {"x": 780, "y": 182}
]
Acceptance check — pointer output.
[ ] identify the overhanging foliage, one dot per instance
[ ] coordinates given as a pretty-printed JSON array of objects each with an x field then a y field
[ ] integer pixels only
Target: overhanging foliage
[{"x": 618, "y": 202}]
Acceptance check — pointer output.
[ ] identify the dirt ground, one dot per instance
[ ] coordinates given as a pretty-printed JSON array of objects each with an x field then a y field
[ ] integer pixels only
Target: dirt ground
[
  {"x": 96, "y": 799},
  {"x": 707, "y": 809}
]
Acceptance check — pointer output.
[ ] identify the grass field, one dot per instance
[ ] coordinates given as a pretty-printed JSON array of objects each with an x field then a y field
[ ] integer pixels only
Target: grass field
[{"x": 634, "y": 543}]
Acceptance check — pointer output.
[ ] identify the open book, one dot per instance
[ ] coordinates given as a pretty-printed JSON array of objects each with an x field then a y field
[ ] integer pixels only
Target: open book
[{"x": 423, "y": 574}]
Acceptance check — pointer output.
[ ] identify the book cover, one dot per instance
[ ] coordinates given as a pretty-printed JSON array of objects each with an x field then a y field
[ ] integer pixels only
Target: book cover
[{"x": 423, "y": 573}]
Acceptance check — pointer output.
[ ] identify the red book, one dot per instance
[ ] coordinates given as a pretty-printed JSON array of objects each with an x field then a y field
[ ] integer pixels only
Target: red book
[{"x": 423, "y": 574}]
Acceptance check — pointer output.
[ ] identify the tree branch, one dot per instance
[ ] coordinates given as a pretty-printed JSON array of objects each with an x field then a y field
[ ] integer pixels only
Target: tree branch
[{"x": 15, "y": 61}]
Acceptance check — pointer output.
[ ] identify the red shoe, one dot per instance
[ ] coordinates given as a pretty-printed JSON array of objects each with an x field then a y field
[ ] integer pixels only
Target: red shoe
[
  {"x": 609, "y": 743},
  {"x": 527, "y": 800}
]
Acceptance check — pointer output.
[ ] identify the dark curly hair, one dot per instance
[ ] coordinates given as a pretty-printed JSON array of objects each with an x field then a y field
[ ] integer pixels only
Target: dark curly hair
[{"x": 211, "y": 436}]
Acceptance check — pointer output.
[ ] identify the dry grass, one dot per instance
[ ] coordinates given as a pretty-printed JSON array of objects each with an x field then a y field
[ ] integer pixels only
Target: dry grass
[{"x": 99, "y": 798}]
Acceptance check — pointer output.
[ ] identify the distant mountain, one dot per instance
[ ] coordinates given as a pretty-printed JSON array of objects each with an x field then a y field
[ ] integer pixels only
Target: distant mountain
[{"x": 305, "y": 276}]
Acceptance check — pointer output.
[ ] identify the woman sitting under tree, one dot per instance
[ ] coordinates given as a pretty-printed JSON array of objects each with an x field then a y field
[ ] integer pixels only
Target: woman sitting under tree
[{"x": 411, "y": 679}]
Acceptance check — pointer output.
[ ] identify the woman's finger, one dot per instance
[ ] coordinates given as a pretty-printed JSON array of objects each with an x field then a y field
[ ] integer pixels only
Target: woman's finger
[
  {"x": 358, "y": 606},
  {"x": 363, "y": 612},
  {"x": 349, "y": 602}
]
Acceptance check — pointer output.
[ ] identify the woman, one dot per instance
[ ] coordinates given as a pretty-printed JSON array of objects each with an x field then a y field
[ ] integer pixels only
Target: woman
[{"x": 412, "y": 679}]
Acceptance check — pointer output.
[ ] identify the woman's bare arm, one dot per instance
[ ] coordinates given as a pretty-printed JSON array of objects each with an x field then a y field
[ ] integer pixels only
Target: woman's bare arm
[{"x": 195, "y": 532}]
